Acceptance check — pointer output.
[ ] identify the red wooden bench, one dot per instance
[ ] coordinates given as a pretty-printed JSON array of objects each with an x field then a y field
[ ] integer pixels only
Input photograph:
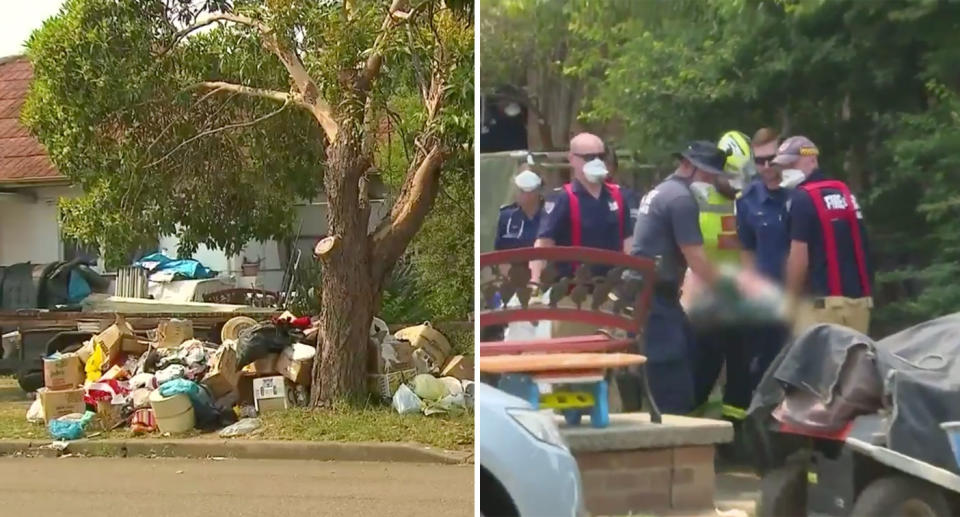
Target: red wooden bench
[{"x": 617, "y": 299}]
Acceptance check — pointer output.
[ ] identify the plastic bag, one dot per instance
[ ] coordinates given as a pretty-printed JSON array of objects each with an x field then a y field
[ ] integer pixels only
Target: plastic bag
[
  {"x": 35, "y": 413},
  {"x": 143, "y": 380},
  {"x": 66, "y": 428},
  {"x": 243, "y": 427},
  {"x": 449, "y": 404},
  {"x": 405, "y": 401},
  {"x": 203, "y": 406},
  {"x": 262, "y": 340},
  {"x": 172, "y": 372},
  {"x": 303, "y": 352},
  {"x": 428, "y": 387},
  {"x": 453, "y": 385},
  {"x": 94, "y": 363}
]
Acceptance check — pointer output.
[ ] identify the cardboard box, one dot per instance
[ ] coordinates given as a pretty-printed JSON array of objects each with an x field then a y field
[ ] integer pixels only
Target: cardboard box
[
  {"x": 172, "y": 333},
  {"x": 118, "y": 337},
  {"x": 264, "y": 366},
  {"x": 85, "y": 351},
  {"x": 385, "y": 385},
  {"x": 221, "y": 380},
  {"x": 459, "y": 367},
  {"x": 109, "y": 415},
  {"x": 270, "y": 393},
  {"x": 63, "y": 373},
  {"x": 299, "y": 372},
  {"x": 61, "y": 403},
  {"x": 135, "y": 347},
  {"x": 245, "y": 390}
]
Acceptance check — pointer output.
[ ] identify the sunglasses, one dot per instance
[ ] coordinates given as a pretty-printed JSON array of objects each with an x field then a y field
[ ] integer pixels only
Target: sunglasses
[
  {"x": 591, "y": 156},
  {"x": 764, "y": 160}
]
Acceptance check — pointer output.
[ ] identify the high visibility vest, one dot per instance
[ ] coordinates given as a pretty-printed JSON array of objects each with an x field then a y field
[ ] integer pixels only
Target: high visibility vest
[{"x": 718, "y": 224}]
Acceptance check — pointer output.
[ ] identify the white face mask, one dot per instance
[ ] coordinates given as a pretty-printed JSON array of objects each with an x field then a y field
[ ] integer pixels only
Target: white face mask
[
  {"x": 595, "y": 170},
  {"x": 701, "y": 190},
  {"x": 791, "y": 178}
]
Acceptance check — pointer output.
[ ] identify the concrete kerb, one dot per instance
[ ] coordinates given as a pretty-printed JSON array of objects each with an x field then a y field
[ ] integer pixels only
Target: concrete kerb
[{"x": 242, "y": 449}]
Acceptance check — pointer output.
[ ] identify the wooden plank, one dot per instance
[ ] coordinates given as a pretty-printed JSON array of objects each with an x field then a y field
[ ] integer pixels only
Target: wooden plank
[{"x": 556, "y": 362}]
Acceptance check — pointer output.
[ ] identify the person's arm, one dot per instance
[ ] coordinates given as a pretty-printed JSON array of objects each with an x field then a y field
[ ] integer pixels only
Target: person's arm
[
  {"x": 629, "y": 218},
  {"x": 748, "y": 238},
  {"x": 501, "y": 229},
  {"x": 685, "y": 218},
  {"x": 697, "y": 262},
  {"x": 797, "y": 262},
  {"x": 536, "y": 266},
  {"x": 554, "y": 222},
  {"x": 802, "y": 221}
]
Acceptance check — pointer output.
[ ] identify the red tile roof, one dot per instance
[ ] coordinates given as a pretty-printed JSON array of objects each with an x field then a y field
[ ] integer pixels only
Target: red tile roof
[{"x": 22, "y": 158}]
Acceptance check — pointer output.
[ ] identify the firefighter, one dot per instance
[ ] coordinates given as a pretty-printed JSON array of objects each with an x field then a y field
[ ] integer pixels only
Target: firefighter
[{"x": 829, "y": 276}]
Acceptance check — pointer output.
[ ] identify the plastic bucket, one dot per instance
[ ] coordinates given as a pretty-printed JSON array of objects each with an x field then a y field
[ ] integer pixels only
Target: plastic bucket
[
  {"x": 953, "y": 434},
  {"x": 174, "y": 414}
]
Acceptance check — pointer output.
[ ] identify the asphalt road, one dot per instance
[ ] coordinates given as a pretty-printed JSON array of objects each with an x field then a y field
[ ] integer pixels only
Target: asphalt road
[{"x": 95, "y": 487}]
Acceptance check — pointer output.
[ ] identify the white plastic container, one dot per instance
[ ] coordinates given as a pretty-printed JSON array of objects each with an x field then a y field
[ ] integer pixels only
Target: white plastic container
[{"x": 174, "y": 414}]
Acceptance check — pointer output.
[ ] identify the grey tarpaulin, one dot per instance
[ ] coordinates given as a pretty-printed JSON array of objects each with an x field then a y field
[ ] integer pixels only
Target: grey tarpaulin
[{"x": 921, "y": 368}]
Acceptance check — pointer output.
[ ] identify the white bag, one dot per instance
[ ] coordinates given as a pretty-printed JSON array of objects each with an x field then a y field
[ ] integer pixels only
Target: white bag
[
  {"x": 35, "y": 413},
  {"x": 405, "y": 401}
]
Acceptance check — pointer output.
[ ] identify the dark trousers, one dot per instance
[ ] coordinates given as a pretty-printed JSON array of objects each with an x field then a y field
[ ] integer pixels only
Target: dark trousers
[
  {"x": 668, "y": 347},
  {"x": 747, "y": 354}
]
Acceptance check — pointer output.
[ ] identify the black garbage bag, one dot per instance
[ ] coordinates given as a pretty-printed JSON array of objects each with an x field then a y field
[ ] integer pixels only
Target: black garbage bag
[{"x": 264, "y": 339}]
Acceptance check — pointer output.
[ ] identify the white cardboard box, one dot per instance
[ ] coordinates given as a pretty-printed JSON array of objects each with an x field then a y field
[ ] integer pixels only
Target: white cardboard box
[{"x": 270, "y": 393}]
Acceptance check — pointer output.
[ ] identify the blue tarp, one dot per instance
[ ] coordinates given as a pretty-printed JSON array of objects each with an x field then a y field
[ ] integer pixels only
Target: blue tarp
[{"x": 182, "y": 269}]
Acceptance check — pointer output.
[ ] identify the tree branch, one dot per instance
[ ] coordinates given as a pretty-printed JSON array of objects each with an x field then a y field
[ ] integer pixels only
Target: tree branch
[
  {"x": 408, "y": 212},
  {"x": 309, "y": 92},
  {"x": 217, "y": 130},
  {"x": 248, "y": 90},
  {"x": 371, "y": 68}
]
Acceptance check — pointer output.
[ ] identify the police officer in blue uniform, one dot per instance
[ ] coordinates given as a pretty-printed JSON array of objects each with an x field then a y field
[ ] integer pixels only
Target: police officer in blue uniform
[
  {"x": 519, "y": 221},
  {"x": 668, "y": 231}
]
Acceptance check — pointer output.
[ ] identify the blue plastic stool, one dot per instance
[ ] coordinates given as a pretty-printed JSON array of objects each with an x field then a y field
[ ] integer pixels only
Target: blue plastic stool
[{"x": 523, "y": 386}]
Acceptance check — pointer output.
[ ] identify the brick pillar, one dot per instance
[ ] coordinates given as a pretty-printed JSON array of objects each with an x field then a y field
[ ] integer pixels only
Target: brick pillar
[{"x": 647, "y": 480}]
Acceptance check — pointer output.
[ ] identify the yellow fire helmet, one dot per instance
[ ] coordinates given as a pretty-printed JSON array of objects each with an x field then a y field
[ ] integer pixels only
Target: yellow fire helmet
[{"x": 739, "y": 162}]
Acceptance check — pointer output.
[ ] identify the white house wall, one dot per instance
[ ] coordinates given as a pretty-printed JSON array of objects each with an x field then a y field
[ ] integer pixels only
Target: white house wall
[{"x": 30, "y": 230}]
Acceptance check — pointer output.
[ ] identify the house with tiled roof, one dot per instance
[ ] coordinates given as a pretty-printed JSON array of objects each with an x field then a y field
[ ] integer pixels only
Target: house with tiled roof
[{"x": 31, "y": 187}]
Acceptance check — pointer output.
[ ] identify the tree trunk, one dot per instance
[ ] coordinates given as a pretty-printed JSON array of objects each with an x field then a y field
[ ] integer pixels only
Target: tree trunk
[{"x": 348, "y": 296}]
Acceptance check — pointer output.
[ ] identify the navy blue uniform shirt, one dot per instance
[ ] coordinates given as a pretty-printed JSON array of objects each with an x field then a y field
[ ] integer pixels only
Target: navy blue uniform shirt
[
  {"x": 804, "y": 226},
  {"x": 515, "y": 229},
  {"x": 599, "y": 226},
  {"x": 762, "y": 227}
]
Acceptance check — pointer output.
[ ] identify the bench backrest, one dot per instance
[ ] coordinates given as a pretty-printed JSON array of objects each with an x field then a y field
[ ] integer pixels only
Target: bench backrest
[{"x": 583, "y": 298}]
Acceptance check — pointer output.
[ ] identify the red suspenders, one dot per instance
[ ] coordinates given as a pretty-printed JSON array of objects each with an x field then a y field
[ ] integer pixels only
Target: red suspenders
[
  {"x": 576, "y": 230},
  {"x": 576, "y": 236},
  {"x": 829, "y": 239}
]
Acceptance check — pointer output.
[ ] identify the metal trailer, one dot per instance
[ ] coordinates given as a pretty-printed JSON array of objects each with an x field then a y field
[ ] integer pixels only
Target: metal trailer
[{"x": 858, "y": 477}]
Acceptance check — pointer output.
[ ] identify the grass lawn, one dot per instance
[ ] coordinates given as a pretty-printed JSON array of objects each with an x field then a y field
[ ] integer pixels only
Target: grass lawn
[{"x": 344, "y": 423}]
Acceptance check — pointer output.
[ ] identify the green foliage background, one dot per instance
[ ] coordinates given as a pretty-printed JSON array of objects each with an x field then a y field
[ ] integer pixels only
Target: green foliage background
[
  {"x": 874, "y": 83},
  {"x": 113, "y": 101}
]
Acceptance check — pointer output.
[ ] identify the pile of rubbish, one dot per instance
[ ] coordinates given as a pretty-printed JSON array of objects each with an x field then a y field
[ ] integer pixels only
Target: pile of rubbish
[
  {"x": 172, "y": 382},
  {"x": 415, "y": 371}
]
